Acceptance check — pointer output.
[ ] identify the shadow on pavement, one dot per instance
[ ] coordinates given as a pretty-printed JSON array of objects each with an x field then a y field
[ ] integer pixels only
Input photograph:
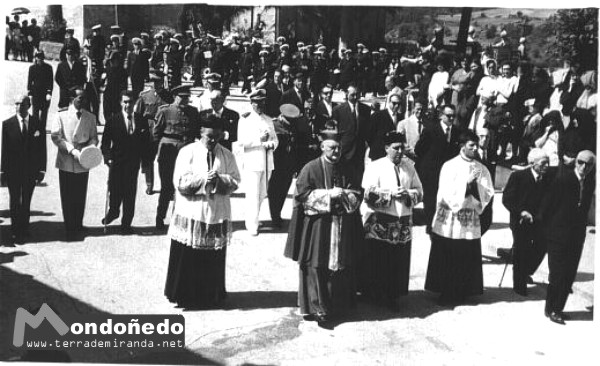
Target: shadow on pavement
[
  {"x": 19, "y": 290},
  {"x": 6, "y": 213},
  {"x": 49, "y": 231},
  {"x": 584, "y": 277},
  {"x": 261, "y": 300},
  {"x": 422, "y": 304},
  {"x": 499, "y": 226},
  {"x": 587, "y": 316}
]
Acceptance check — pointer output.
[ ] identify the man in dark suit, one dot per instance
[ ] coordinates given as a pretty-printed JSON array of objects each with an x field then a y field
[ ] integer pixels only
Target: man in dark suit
[
  {"x": 123, "y": 148},
  {"x": 296, "y": 95},
  {"x": 324, "y": 108},
  {"x": 383, "y": 122},
  {"x": 23, "y": 163},
  {"x": 353, "y": 124},
  {"x": 438, "y": 144},
  {"x": 563, "y": 216},
  {"x": 273, "y": 90},
  {"x": 229, "y": 117},
  {"x": 40, "y": 84},
  {"x": 137, "y": 67},
  {"x": 522, "y": 197},
  {"x": 70, "y": 74}
]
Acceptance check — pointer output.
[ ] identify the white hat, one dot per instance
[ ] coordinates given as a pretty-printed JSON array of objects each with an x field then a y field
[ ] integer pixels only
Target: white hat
[
  {"x": 522, "y": 40},
  {"x": 503, "y": 33},
  {"x": 471, "y": 29},
  {"x": 97, "y": 26}
]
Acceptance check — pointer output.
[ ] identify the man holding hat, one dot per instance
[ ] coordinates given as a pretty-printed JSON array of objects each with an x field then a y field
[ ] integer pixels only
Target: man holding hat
[
  {"x": 137, "y": 67},
  {"x": 257, "y": 135},
  {"x": 23, "y": 163},
  {"x": 176, "y": 126},
  {"x": 40, "y": 84},
  {"x": 285, "y": 159},
  {"x": 70, "y": 73},
  {"x": 325, "y": 232},
  {"x": 72, "y": 131}
]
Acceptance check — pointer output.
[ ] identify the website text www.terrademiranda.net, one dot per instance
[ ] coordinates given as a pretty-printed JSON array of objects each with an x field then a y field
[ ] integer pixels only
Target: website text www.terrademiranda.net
[{"x": 47, "y": 330}]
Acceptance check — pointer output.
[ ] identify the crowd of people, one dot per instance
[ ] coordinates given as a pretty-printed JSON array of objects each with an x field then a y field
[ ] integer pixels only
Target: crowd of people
[
  {"x": 442, "y": 126},
  {"x": 22, "y": 39}
]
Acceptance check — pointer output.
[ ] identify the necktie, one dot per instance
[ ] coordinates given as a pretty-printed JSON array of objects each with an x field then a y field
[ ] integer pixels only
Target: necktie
[
  {"x": 78, "y": 115},
  {"x": 447, "y": 133},
  {"x": 129, "y": 125},
  {"x": 581, "y": 182},
  {"x": 210, "y": 159},
  {"x": 24, "y": 128}
]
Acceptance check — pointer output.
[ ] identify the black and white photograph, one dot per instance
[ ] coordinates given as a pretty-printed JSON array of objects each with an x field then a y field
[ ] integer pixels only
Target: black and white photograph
[{"x": 298, "y": 182}]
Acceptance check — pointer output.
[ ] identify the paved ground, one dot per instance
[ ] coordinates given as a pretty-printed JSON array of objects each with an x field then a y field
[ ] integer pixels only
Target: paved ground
[{"x": 109, "y": 273}]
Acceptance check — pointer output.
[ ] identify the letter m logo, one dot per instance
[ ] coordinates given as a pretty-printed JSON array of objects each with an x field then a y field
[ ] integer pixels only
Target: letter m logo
[{"x": 24, "y": 317}]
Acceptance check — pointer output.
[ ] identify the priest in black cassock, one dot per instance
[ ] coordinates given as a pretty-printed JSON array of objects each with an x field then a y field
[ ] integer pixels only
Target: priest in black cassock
[{"x": 325, "y": 232}]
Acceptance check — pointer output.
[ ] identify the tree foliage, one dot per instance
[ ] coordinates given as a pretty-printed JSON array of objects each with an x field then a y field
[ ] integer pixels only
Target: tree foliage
[{"x": 576, "y": 35}]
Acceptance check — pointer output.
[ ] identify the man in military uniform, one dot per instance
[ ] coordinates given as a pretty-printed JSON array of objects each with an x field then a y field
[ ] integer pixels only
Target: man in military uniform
[
  {"x": 159, "y": 48},
  {"x": 70, "y": 43},
  {"x": 97, "y": 54},
  {"x": 137, "y": 67},
  {"x": 285, "y": 159},
  {"x": 176, "y": 126},
  {"x": 246, "y": 63},
  {"x": 144, "y": 111}
]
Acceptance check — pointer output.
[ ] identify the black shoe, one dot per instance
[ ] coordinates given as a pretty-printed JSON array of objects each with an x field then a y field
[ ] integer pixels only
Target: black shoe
[
  {"x": 108, "y": 219},
  {"x": 309, "y": 317},
  {"x": 149, "y": 191},
  {"x": 565, "y": 316},
  {"x": 83, "y": 229},
  {"x": 555, "y": 317},
  {"x": 529, "y": 280},
  {"x": 160, "y": 225},
  {"x": 127, "y": 230},
  {"x": 520, "y": 290},
  {"x": 393, "y": 305}
]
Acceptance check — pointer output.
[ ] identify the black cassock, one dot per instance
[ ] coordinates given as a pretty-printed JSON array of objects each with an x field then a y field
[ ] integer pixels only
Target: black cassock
[{"x": 324, "y": 236}]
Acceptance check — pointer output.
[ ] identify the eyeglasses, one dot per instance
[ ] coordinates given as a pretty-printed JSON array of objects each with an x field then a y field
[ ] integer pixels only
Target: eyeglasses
[
  {"x": 587, "y": 163},
  {"x": 449, "y": 115},
  {"x": 126, "y": 102},
  {"x": 394, "y": 103}
]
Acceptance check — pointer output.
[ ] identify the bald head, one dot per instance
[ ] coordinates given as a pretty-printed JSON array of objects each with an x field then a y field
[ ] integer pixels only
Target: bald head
[
  {"x": 216, "y": 100},
  {"x": 535, "y": 155},
  {"x": 584, "y": 163}
]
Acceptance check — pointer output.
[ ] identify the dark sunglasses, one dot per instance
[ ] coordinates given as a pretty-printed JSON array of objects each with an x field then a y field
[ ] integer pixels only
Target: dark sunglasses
[{"x": 581, "y": 162}]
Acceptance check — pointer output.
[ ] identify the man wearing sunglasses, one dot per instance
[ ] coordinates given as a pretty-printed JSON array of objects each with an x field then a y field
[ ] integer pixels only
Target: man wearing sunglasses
[
  {"x": 563, "y": 216},
  {"x": 438, "y": 144}
]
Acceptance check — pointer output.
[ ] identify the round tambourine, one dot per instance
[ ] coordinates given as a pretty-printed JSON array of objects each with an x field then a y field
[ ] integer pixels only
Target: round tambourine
[{"x": 90, "y": 157}]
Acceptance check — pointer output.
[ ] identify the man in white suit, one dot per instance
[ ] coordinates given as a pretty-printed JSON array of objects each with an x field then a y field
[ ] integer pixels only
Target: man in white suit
[
  {"x": 257, "y": 134},
  {"x": 73, "y": 130}
]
